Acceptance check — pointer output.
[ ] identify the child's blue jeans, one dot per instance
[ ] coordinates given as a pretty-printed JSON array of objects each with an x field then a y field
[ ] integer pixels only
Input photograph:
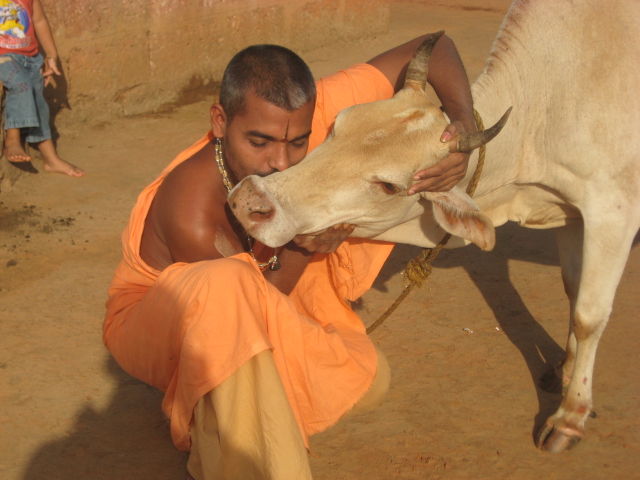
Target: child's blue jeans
[{"x": 25, "y": 105}]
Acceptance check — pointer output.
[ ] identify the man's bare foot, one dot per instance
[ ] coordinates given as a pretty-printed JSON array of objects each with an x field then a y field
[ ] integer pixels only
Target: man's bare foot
[{"x": 58, "y": 165}]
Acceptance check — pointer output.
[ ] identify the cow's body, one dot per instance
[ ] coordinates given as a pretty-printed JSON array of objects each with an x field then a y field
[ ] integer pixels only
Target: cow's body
[{"x": 568, "y": 158}]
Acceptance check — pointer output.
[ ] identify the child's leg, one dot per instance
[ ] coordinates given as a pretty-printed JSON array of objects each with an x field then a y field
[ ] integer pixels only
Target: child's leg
[
  {"x": 20, "y": 108},
  {"x": 40, "y": 134}
]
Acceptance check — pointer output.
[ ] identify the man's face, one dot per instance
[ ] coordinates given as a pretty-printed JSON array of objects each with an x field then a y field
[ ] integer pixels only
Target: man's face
[{"x": 264, "y": 139}]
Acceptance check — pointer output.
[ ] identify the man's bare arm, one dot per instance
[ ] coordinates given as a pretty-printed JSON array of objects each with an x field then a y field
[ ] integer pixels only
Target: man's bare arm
[{"x": 449, "y": 80}]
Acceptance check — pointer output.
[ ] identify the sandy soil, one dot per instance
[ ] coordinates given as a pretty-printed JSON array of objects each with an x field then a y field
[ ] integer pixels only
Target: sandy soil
[{"x": 461, "y": 406}]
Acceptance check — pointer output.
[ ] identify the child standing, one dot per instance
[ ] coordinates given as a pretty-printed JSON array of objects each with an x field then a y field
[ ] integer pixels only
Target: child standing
[{"x": 24, "y": 32}]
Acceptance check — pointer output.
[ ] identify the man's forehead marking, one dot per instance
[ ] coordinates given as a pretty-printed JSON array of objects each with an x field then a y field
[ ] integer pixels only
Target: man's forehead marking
[{"x": 285, "y": 139}]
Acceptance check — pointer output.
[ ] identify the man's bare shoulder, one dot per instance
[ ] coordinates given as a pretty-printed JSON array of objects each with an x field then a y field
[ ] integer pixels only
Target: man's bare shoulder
[
  {"x": 190, "y": 187},
  {"x": 187, "y": 221}
]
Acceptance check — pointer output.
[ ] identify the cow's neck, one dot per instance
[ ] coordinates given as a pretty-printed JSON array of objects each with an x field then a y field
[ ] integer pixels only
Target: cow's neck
[{"x": 513, "y": 171}]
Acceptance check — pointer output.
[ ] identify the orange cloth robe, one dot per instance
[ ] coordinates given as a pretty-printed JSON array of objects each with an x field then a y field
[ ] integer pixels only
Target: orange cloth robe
[{"x": 186, "y": 329}]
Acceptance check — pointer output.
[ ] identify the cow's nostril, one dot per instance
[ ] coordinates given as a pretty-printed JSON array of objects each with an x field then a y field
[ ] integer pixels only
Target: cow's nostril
[
  {"x": 259, "y": 207},
  {"x": 260, "y": 215}
]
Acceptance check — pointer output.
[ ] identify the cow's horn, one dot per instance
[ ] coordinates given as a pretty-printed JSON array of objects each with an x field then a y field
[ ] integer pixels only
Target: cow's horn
[
  {"x": 418, "y": 69},
  {"x": 467, "y": 142}
]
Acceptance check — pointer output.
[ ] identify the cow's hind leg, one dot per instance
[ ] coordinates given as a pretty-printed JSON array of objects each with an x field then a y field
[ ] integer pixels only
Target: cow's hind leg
[{"x": 592, "y": 263}]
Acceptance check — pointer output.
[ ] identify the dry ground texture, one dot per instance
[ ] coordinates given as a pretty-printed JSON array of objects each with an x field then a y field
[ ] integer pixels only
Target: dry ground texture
[{"x": 461, "y": 406}]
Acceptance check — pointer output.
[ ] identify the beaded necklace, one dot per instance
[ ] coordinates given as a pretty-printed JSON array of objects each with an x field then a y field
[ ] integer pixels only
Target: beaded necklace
[{"x": 272, "y": 263}]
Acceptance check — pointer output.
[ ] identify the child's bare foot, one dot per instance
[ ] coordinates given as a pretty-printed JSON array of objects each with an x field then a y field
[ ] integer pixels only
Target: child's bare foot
[
  {"x": 13, "y": 149},
  {"x": 58, "y": 165},
  {"x": 15, "y": 153},
  {"x": 54, "y": 164}
]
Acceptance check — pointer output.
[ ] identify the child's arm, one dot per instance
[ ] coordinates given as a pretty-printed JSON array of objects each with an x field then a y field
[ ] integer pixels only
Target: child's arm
[{"x": 46, "y": 42}]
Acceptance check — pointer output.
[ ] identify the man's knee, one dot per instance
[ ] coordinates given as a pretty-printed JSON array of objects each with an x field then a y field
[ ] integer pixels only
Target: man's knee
[{"x": 377, "y": 391}]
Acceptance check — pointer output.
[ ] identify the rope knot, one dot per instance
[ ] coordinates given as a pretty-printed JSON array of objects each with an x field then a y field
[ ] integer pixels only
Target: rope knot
[{"x": 417, "y": 270}]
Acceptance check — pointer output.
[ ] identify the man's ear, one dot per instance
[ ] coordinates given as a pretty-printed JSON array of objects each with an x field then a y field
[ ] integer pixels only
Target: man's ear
[{"x": 218, "y": 120}]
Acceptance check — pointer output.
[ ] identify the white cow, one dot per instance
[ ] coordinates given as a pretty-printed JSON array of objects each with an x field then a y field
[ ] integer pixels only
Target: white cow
[{"x": 568, "y": 158}]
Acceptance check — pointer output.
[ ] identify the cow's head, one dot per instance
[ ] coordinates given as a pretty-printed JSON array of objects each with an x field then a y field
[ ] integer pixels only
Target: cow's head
[{"x": 361, "y": 174}]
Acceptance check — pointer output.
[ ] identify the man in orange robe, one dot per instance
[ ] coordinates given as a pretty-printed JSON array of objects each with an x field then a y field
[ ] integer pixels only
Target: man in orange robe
[{"x": 256, "y": 354}]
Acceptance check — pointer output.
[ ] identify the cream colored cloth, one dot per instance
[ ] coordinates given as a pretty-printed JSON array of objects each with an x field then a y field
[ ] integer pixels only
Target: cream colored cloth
[{"x": 244, "y": 429}]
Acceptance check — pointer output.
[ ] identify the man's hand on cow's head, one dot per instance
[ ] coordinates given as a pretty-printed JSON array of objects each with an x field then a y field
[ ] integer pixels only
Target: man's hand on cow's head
[
  {"x": 327, "y": 241},
  {"x": 446, "y": 173}
]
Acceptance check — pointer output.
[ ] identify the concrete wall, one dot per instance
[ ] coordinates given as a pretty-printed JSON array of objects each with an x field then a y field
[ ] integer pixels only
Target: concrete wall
[{"x": 124, "y": 57}]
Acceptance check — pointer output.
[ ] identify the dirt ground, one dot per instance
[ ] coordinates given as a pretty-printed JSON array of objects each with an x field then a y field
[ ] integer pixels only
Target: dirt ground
[{"x": 462, "y": 405}]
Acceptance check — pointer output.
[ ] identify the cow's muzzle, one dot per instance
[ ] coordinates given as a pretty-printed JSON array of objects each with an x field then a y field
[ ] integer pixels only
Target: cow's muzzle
[{"x": 249, "y": 205}]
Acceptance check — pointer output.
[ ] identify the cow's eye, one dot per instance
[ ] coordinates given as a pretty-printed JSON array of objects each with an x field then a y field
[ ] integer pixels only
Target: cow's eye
[{"x": 389, "y": 188}]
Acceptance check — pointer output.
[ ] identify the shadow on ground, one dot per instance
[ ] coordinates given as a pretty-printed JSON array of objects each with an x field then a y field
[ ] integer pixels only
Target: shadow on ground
[
  {"x": 129, "y": 439},
  {"x": 489, "y": 271}
]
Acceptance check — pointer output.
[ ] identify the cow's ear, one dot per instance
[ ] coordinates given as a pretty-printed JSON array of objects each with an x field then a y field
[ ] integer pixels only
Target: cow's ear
[{"x": 457, "y": 214}]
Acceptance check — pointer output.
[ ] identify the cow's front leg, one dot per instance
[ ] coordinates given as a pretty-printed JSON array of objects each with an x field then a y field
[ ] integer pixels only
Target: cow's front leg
[
  {"x": 564, "y": 429},
  {"x": 570, "y": 240},
  {"x": 591, "y": 284}
]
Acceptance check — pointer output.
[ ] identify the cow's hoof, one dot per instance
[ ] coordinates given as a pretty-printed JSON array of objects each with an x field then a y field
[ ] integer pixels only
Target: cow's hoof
[{"x": 555, "y": 440}]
